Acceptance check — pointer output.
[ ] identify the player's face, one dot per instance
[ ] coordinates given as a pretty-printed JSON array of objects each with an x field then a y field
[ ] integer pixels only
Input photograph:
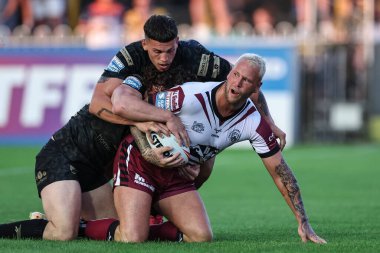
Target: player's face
[
  {"x": 161, "y": 54},
  {"x": 242, "y": 81}
]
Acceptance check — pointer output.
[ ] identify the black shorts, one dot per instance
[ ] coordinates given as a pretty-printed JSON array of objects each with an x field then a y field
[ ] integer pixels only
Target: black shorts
[{"x": 52, "y": 166}]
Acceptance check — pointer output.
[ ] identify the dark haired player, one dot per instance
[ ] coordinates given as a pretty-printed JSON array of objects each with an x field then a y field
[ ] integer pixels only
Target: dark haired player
[
  {"x": 73, "y": 169},
  {"x": 216, "y": 115}
]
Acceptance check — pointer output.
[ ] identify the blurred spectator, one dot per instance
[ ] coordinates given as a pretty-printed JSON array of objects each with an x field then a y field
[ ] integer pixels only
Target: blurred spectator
[
  {"x": 377, "y": 20},
  {"x": 239, "y": 11},
  {"x": 16, "y": 12},
  {"x": 101, "y": 23},
  {"x": 49, "y": 12},
  {"x": 263, "y": 22},
  {"x": 207, "y": 16},
  {"x": 134, "y": 19}
]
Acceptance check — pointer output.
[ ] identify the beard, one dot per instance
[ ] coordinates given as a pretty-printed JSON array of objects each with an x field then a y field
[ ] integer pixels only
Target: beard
[{"x": 229, "y": 99}]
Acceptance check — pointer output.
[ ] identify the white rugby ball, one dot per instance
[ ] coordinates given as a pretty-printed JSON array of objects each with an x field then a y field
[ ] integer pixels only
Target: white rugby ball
[{"x": 170, "y": 141}]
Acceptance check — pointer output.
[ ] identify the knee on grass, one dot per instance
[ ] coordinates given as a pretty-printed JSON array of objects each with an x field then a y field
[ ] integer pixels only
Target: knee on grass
[
  {"x": 62, "y": 233},
  {"x": 130, "y": 236},
  {"x": 199, "y": 236}
]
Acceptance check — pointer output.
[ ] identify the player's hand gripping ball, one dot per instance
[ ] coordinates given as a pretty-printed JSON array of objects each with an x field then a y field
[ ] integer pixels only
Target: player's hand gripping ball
[{"x": 170, "y": 141}]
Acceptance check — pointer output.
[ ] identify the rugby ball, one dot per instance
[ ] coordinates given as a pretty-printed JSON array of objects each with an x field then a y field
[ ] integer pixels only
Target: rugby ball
[{"x": 170, "y": 141}]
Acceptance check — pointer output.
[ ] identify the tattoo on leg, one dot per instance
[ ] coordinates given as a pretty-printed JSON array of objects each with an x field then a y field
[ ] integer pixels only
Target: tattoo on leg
[
  {"x": 262, "y": 104},
  {"x": 291, "y": 185}
]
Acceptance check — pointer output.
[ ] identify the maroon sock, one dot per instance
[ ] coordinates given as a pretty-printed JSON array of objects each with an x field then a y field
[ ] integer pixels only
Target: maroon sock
[
  {"x": 164, "y": 232},
  {"x": 101, "y": 230}
]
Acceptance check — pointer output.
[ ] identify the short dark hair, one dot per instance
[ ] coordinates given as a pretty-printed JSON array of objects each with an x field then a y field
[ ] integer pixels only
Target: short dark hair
[{"x": 161, "y": 28}]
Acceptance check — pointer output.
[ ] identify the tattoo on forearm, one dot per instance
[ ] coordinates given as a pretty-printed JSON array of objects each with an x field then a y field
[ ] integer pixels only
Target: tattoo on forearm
[
  {"x": 144, "y": 147},
  {"x": 140, "y": 139},
  {"x": 262, "y": 104},
  {"x": 292, "y": 187},
  {"x": 103, "y": 79},
  {"x": 103, "y": 110}
]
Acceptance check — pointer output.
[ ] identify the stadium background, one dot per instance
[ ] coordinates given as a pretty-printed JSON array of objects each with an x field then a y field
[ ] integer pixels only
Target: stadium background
[
  {"x": 321, "y": 86},
  {"x": 322, "y": 59}
]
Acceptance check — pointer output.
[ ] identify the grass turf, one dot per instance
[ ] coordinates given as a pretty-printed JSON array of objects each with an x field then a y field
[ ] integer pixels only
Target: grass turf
[{"x": 340, "y": 189}]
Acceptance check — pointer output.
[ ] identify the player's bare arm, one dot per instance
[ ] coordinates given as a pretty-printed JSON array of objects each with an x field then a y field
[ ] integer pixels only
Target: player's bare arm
[
  {"x": 155, "y": 155},
  {"x": 101, "y": 105},
  {"x": 262, "y": 106},
  {"x": 128, "y": 103},
  {"x": 288, "y": 186}
]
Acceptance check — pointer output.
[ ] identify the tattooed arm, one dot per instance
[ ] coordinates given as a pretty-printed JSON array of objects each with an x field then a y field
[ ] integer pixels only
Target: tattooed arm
[
  {"x": 262, "y": 106},
  {"x": 101, "y": 105},
  {"x": 287, "y": 184},
  {"x": 155, "y": 155}
]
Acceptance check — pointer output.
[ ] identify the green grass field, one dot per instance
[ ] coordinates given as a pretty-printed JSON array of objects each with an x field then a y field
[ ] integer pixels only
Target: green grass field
[{"x": 340, "y": 187}]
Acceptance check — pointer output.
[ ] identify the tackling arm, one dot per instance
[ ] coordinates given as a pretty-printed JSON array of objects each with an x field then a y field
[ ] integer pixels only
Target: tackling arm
[
  {"x": 127, "y": 102},
  {"x": 101, "y": 105},
  {"x": 288, "y": 186}
]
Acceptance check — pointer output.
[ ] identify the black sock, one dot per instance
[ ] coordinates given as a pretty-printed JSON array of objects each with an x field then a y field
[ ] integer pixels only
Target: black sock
[
  {"x": 111, "y": 230},
  {"x": 82, "y": 228},
  {"x": 23, "y": 229}
]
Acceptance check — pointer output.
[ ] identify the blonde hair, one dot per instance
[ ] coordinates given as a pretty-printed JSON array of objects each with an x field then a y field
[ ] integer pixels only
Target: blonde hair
[{"x": 255, "y": 61}]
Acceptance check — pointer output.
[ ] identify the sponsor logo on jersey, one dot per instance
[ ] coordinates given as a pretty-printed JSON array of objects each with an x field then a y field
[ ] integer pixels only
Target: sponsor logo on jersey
[
  {"x": 173, "y": 101},
  {"x": 115, "y": 65},
  {"x": 234, "y": 136},
  {"x": 202, "y": 153},
  {"x": 133, "y": 82},
  {"x": 160, "y": 100},
  {"x": 73, "y": 170},
  {"x": 41, "y": 176},
  {"x": 127, "y": 56},
  {"x": 216, "y": 68},
  {"x": 203, "y": 66},
  {"x": 198, "y": 127},
  {"x": 271, "y": 137},
  {"x": 217, "y": 131},
  {"x": 141, "y": 181},
  {"x": 168, "y": 100}
]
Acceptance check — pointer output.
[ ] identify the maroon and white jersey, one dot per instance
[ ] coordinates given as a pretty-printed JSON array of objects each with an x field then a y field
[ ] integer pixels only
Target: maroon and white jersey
[{"x": 210, "y": 132}]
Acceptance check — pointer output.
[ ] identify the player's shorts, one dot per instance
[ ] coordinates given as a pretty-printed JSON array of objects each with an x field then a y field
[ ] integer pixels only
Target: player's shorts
[
  {"x": 132, "y": 170},
  {"x": 52, "y": 166}
]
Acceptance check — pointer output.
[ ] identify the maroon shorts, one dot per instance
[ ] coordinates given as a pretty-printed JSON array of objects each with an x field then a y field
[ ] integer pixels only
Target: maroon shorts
[{"x": 131, "y": 170}]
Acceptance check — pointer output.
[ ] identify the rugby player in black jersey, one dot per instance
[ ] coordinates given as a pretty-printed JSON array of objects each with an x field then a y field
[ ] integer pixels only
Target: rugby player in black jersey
[{"x": 73, "y": 169}]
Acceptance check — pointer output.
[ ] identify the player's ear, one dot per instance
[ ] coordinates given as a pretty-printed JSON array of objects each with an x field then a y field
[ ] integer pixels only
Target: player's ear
[{"x": 144, "y": 43}]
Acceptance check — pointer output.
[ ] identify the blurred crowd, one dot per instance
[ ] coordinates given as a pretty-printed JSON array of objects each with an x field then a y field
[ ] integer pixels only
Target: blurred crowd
[{"x": 109, "y": 23}]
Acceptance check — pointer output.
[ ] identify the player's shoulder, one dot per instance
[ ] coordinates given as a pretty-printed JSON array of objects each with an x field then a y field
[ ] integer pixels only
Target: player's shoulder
[
  {"x": 132, "y": 54},
  {"x": 137, "y": 45},
  {"x": 192, "y": 46},
  {"x": 198, "y": 87}
]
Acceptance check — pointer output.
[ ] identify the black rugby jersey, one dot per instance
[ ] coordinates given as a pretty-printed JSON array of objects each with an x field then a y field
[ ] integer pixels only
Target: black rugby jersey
[
  {"x": 90, "y": 141},
  {"x": 192, "y": 62}
]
